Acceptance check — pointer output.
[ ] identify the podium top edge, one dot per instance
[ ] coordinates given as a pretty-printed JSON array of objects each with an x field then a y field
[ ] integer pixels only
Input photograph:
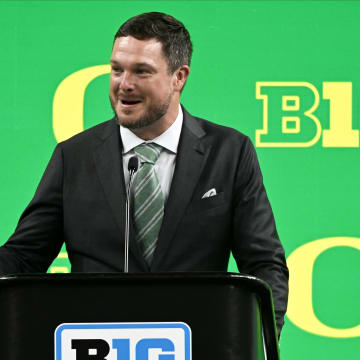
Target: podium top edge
[{"x": 217, "y": 277}]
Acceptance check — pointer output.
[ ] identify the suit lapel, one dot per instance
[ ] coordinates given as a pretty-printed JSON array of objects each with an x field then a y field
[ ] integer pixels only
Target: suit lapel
[
  {"x": 109, "y": 165},
  {"x": 191, "y": 157}
]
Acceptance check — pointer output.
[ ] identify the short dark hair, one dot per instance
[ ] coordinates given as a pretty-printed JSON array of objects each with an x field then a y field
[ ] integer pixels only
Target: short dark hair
[{"x": 171, "y": 33}]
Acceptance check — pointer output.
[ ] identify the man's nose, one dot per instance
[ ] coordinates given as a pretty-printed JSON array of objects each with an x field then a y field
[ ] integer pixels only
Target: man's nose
[{"x": 127, "y": 82}]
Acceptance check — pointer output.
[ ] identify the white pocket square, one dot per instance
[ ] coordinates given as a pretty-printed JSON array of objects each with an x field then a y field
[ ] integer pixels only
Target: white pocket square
[{"x": 211, "y": 192}]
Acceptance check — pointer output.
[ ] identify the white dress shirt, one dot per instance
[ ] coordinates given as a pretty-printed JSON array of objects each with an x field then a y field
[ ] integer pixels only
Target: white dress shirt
[{"x": 165, "y": 165}]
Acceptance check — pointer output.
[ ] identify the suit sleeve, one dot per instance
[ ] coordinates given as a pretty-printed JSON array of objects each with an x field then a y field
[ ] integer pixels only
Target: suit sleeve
[
  {"x": 256, "y": 245},
  {"x": 39, "y": 234}
]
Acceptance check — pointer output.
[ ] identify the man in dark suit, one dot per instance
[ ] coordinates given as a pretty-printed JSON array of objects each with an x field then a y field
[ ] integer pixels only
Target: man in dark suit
[{"x": 204, "y": 181}]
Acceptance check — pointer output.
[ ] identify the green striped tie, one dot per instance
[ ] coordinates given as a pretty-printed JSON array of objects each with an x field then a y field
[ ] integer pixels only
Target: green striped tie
[{"x": 148, "y": 200}]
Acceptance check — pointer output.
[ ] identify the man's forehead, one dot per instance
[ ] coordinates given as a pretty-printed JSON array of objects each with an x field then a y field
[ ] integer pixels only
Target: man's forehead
[{"x": 150, "y": 49}]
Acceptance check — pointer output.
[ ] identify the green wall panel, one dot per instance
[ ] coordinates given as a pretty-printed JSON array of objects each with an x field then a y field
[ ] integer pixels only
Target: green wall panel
[{"x": 314, "y": 190}]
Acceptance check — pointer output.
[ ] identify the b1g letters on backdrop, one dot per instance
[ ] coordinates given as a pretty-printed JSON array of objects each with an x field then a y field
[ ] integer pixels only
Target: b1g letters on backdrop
[{"x": 289, "y": 119}]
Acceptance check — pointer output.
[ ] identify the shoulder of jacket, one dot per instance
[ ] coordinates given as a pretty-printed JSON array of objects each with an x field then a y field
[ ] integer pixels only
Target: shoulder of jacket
[
  {"x": 90, "y": 136},
  {"x": 223, "y": 133}
]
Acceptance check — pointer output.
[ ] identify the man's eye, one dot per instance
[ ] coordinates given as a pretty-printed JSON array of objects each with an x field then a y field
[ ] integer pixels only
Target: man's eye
[
  {"x": 141, "y": 71},
  {"x": 116, "y": 70}
]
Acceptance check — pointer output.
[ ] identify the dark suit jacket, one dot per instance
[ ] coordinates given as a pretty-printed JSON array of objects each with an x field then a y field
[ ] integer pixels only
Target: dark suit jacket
[{"x": 81, "y": 200}]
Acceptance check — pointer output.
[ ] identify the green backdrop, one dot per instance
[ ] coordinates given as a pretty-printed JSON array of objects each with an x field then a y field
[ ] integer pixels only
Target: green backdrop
[{"x": 258, "y": 66}]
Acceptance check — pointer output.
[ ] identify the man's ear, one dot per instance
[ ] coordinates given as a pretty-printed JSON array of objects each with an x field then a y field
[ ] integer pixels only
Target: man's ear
[{"x": 180, "y": 77}]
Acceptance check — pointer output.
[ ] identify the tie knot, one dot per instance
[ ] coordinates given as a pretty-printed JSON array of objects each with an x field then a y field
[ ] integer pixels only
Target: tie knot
[{"x": 148, "y": 153}]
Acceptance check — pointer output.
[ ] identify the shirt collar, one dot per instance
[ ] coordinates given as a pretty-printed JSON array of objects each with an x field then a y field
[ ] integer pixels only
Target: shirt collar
[{"x": 169, "y": 139}]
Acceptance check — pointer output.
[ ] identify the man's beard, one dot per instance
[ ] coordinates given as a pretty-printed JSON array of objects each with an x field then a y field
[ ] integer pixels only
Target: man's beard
[{"x": 154, "y": 113}]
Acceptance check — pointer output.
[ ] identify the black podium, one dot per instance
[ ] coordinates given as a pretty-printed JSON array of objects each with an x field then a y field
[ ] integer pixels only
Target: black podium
[{"x": 167, "y": 316}]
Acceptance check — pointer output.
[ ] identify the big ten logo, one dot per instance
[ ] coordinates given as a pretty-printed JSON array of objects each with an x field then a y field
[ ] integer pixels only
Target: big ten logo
[
  {"x": 290, "y": 115},
  {"x": 123, "y": 341}
]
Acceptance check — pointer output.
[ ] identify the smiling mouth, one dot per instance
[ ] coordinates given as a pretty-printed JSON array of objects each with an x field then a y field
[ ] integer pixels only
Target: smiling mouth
[{"x": 130, "y": 102}]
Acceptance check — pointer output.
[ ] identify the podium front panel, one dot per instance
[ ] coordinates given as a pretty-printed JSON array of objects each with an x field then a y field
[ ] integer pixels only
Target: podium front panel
[{"x": 222, "y": 311}]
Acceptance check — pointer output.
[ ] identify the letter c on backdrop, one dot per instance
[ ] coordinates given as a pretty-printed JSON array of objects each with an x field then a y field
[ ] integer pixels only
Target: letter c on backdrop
[
  {"x": 68, "y": 103},
  {"x": 300, "y": 308}
]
